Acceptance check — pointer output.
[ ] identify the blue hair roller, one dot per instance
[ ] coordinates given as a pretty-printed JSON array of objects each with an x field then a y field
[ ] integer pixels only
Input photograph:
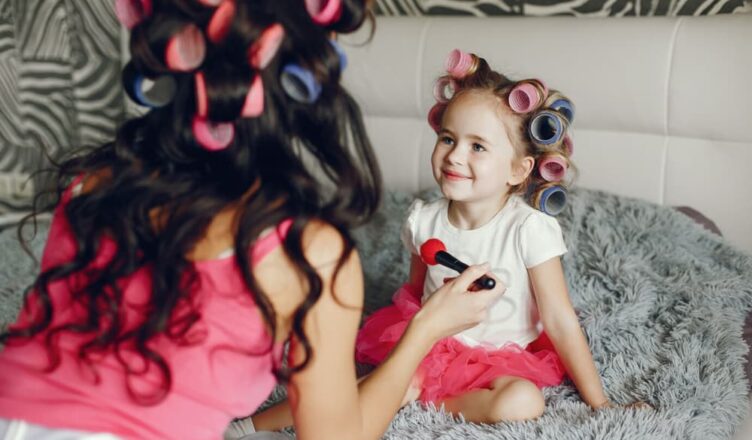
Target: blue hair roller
[
  {"x": 552, "y": 200},
  {"x": 546, "y": 127},
  {"x": 564, "y": 107},
  {"x": 147, "y": 92},
  {"x": 300, "y": 84}
]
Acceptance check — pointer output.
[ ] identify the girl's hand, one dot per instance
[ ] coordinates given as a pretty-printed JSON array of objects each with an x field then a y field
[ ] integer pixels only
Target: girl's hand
[{"x": 455, "y": 306}]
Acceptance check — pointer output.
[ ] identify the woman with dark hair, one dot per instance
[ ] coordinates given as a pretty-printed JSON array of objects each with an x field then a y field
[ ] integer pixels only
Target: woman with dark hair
[{"x": 183, "y": 254}]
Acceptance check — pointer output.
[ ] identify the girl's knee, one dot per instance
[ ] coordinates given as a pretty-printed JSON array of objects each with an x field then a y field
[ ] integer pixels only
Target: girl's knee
[{"x": 519, "y": 399}]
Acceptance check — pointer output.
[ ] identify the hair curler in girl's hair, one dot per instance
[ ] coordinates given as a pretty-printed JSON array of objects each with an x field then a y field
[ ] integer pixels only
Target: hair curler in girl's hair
[
  {"x": 527, "y": 95},
  {"x": 341, "y": 53},
  {"x": 221, "y": 20},
  {"x": 552, "y": 167},
  {"x": 444, "y": 89},
  {"x": 186, "y": 49},
  {"x": 300, "y": 84},
  {"x": 565, "y": 107},
  {"x": 261, "y": 53},
  {"x": 210, "y": 2},
  {"x": 460, "y": 64},
  {"x": 324, "y": 12},
  {"x": 550, "y": 198},
  {"x": 213, "y": 136},
  {"x": 435, "y": 115},
  {"x": 546, "y": 128},
  {"x": 132, "y": 12},
  {"x": 148, "y": 92},
  {"x": 568, "y": 144}
]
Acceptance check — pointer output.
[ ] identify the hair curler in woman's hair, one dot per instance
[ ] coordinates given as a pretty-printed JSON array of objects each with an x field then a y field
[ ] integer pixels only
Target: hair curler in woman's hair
[
  {"x": 565, "y": 107},
  {"x": 550, "y": 198},
  {"x": 212, "y": 136},
  {"x": 568, "y": 144},
  {"x": 444, "y": 89},
  {"x": 221, "y": 21},
  {"x": 435, "y": 115},
  {"x": 132, "y": 12},
  {"x": 262, "y": 51},
  {"x": 552, "y": 167},
  {"x": 341, "y": 54},
  {"x": 546, "y": 128},
  {"x": 254, "y": 100},
  {"x": 527, "y": 95},
  {"x": 300, "y": 84},
  {"x": 324, "y": 12},
  {"x": 211, "y": 3},
  {"x": 460, "y": 64},
  {"x": 186, "y": 49},
  {"x": 148, "y": 92}
]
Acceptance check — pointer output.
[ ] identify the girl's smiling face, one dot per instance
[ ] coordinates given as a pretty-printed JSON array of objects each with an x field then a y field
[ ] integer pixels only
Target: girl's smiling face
[{"x": 473, "y": 159}]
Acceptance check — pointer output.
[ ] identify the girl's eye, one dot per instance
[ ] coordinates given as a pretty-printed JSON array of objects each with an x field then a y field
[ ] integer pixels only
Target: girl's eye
[
  {"x": 478, "y": 147},
  {"x": 447, "y": 140}
]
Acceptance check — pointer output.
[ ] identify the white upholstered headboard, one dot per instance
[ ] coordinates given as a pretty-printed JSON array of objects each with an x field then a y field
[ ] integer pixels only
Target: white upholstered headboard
[{"x": 664, "y": 105}]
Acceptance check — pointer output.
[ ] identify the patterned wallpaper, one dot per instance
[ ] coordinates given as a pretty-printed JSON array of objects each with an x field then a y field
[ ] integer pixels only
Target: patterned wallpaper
[
  {"x": 589, "y": 8},
  {"x": 60, "y": 67}
]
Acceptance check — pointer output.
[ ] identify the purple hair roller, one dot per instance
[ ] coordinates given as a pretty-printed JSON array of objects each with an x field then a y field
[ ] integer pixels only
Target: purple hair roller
[
  {"x": 551, "y": 199},
  {"x": 564, "y": 107},
  {"x": 342, "y": 55},
  {"x": 546, "y": 127},
  {"x": 300, "y": 84}
]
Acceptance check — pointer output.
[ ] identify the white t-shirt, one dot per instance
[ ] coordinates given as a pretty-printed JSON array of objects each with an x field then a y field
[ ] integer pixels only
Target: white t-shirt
[{"x": 518, "y": 237}]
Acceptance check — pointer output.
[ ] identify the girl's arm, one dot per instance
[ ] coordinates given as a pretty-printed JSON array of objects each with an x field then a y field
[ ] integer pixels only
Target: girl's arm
[
  {"x": 324, "y": 398},
  {"x": 563, "y": 328}
]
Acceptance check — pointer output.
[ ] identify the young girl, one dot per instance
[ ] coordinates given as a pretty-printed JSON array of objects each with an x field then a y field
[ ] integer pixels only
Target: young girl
[
  {"x": 183, "y": 254},
  {"x": 500, "y": 158}
]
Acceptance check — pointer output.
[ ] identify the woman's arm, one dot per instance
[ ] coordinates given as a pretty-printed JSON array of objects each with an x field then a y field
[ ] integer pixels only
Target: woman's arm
[
  {"x": 563, "y": 328},
  {"x": 324, "y": 398}
]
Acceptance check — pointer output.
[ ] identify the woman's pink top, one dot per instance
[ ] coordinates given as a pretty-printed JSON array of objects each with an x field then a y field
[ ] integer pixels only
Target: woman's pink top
[{"x": 213, "y": 380}]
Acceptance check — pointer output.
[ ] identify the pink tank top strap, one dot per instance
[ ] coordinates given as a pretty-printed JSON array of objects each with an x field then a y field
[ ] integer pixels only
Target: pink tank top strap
[{"x": 271, "y": 240}]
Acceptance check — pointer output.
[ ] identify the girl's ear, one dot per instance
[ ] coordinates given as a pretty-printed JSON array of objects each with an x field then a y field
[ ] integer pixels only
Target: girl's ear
[{"x": 520, "y": 170}]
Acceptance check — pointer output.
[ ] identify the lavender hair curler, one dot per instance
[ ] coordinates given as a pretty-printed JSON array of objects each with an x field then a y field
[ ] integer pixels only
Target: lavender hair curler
[
  {"x": 546, "y": 127},
  {"x": 148, "y": 92},
  {"x": 565, "y": 107},
  {"x": 324, "y": 12},
  {"x": 186, "y": 49},
  {"x": 551, "y": 199},
  {"x": 435, "y": 115},
  {"x": 262, "y": 51},
  {"x": 444, "y": 89},
  {"x": 341, "y": 53},
  {"x": 221, "y": 21},
  {"x": 460, "y": 64},
  {"x": 300, "y": 84},
  {"x": 213, "y": 136},
  {"x": 527, "y": 96},
  {"x": 553, "y": 167},
  {"x": 132, "y": 12}
]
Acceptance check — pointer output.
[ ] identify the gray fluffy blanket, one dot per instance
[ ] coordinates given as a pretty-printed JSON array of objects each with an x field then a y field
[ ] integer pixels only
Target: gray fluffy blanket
[{"x": 661, "y": 300}]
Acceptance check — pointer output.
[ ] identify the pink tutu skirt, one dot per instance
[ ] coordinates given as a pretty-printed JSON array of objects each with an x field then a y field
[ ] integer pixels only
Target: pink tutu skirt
[{"x": 452, "y": 368}]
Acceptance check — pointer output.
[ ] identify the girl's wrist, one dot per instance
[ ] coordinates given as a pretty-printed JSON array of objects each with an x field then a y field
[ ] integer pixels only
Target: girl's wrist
[{"x": 421, "y": 331}]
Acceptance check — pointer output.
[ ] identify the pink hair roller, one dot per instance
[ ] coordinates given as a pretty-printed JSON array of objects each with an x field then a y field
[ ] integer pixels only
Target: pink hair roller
[
  {"x": 435, "y": 115},
  {"x": 263, "y": 50},
  {"x": 210, "y": 2},
  {"x": 186, "y": 49},
  {"x": 440, "y": 89},
  {"x": 553, "y": 167},
  {"x": 460, "y": 64},
  {"x": 211, "y": 136},
  {"x": 132, "y": 12},
  {"x": 221, "y": 20},
  {"x": 254, "y": 100},
  {"x": 568, "y": 144},
  {"x": 527, "y": 96},
  {"x": 202, "y": 106},
  {"x": 324, "y": 12}
]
